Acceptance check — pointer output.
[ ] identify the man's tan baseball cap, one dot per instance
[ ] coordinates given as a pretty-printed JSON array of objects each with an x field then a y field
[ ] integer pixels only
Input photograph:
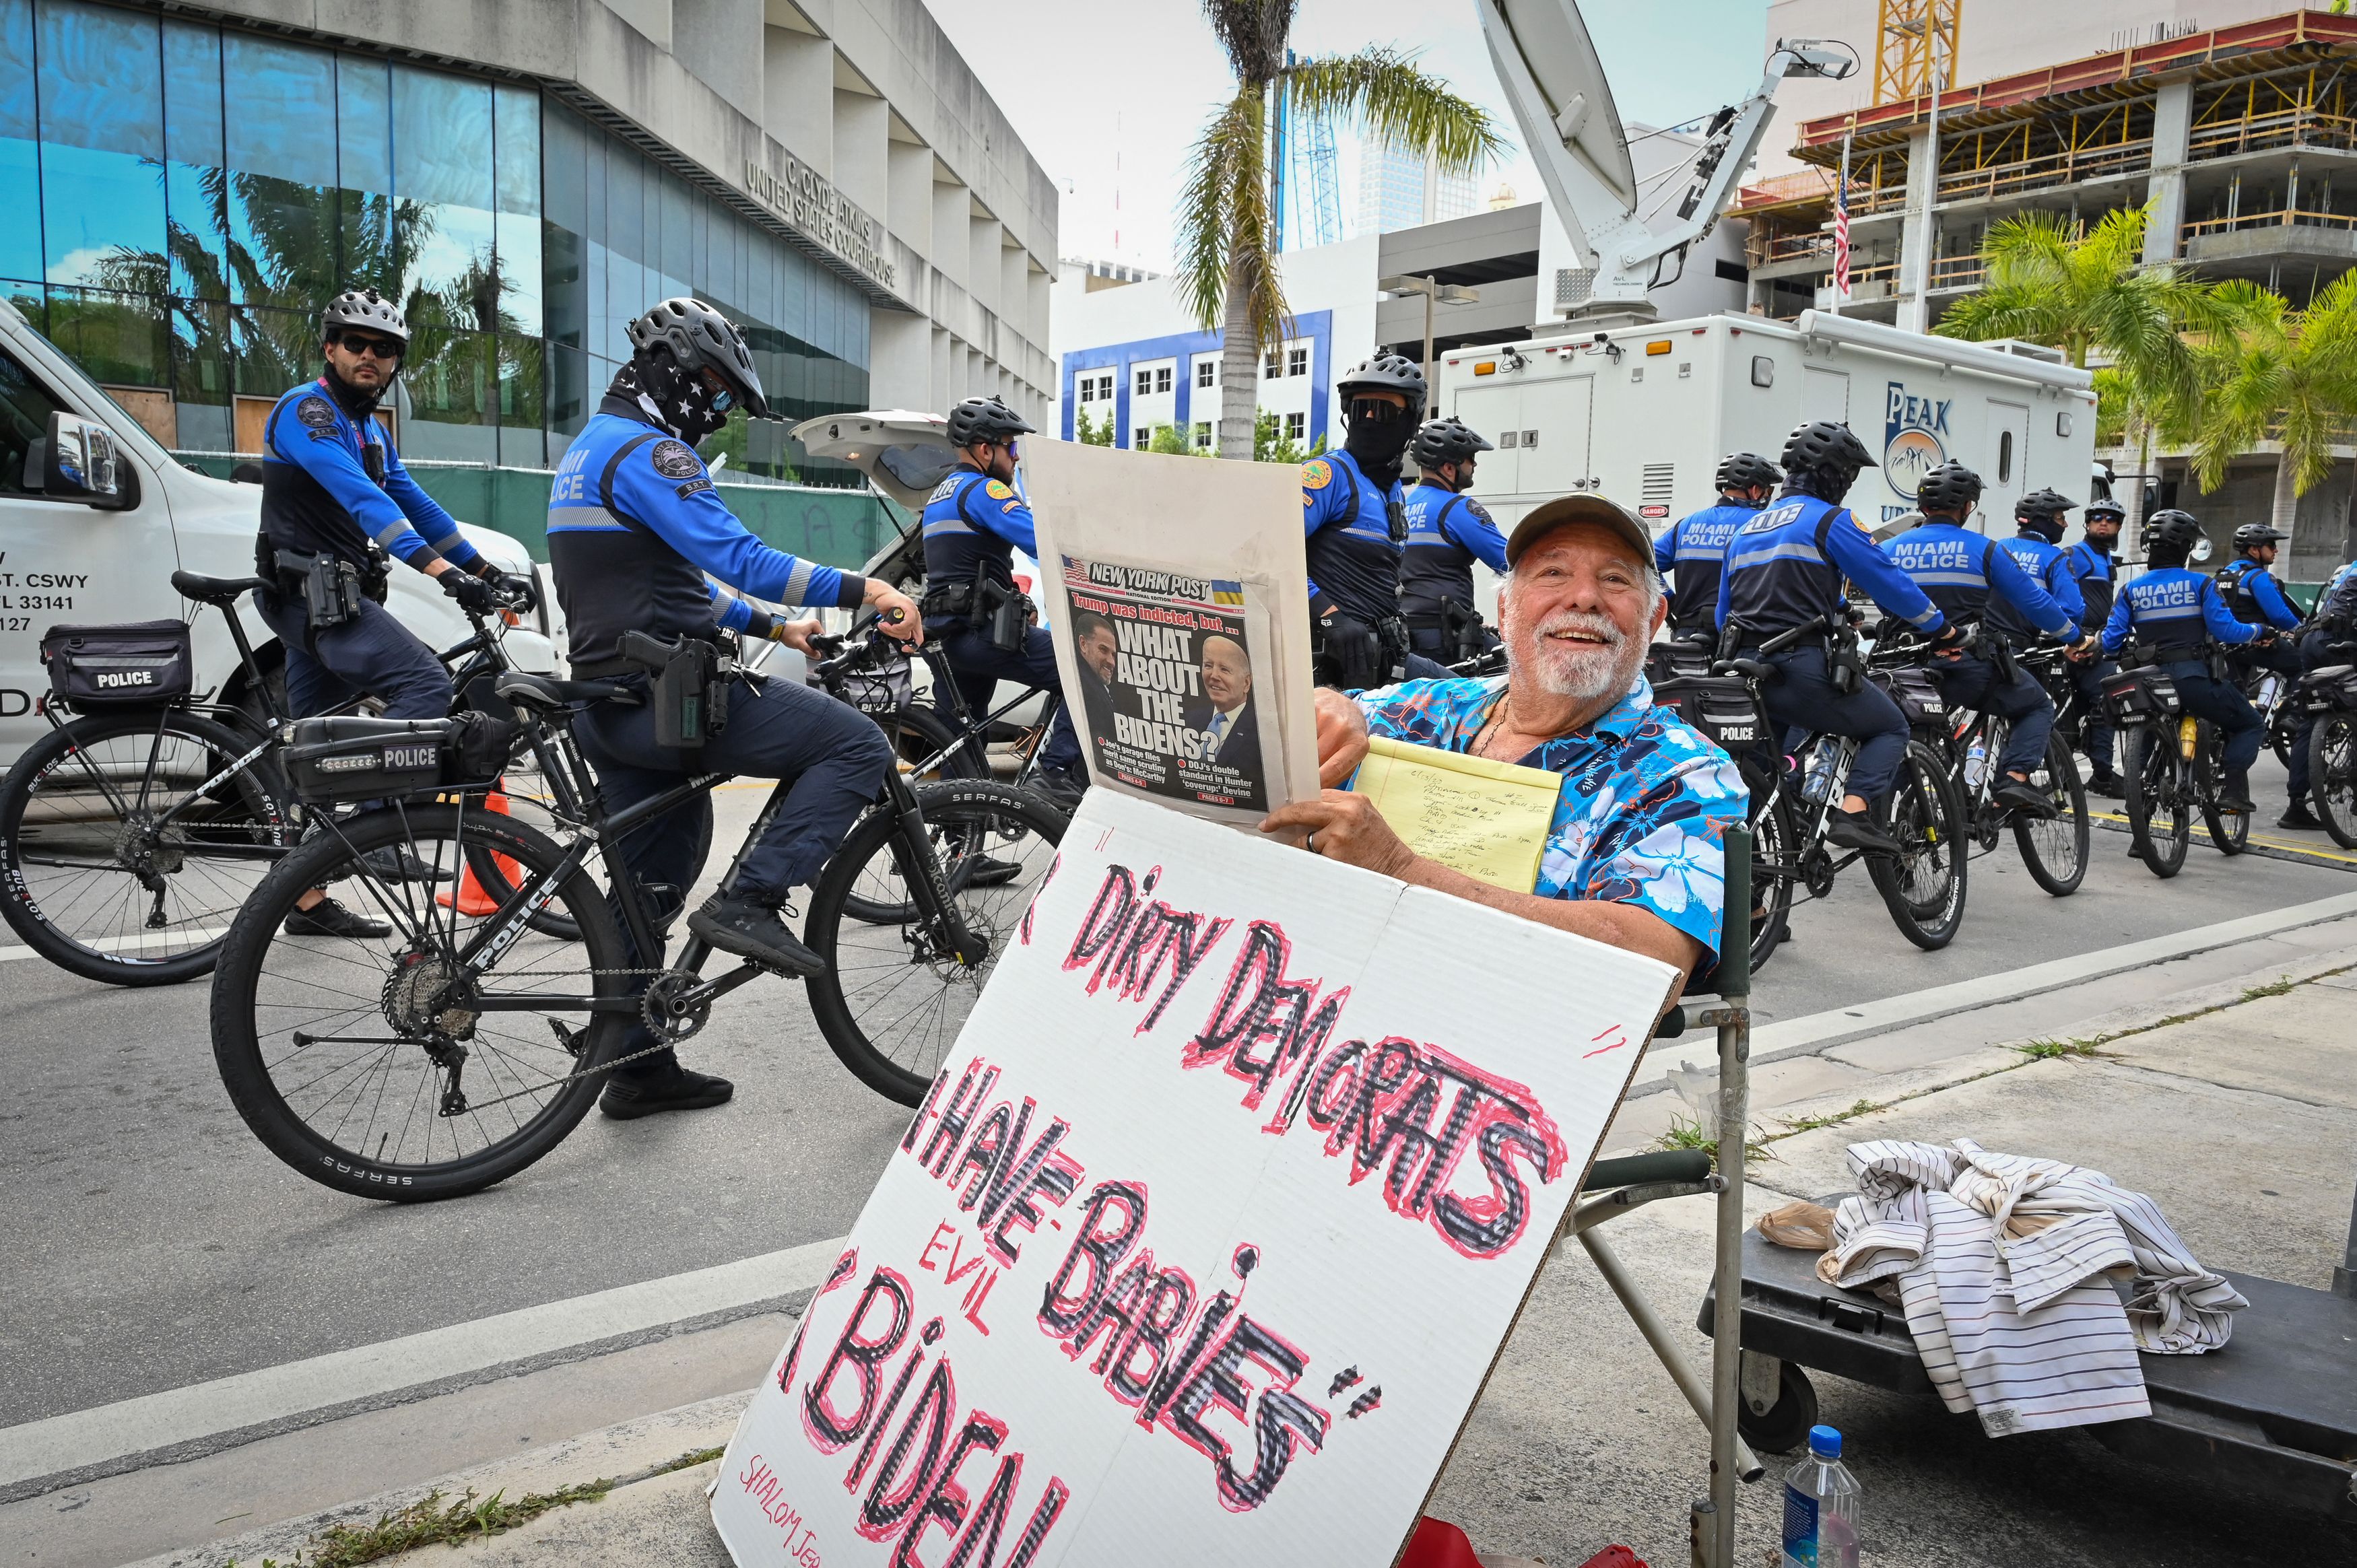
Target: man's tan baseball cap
[{"x": 1584, "y": 505}]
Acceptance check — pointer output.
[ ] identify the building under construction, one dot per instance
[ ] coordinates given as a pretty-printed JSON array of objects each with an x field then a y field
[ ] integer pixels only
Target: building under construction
[{"x": 2243, "y": 140}]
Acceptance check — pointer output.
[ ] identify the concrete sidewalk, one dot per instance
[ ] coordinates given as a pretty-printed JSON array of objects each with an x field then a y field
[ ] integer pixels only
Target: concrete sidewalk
[{"x": 2233, "y": 1105}]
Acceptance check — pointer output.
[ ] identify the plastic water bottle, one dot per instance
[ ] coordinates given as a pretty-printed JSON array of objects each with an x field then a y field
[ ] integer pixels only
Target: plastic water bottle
[
  {"x": 1975, "y": 765},
  {"x": 1821, "y": 1507},
  {"x": 1820, "y": 781},
  {"x": 2270, "y": 685}
]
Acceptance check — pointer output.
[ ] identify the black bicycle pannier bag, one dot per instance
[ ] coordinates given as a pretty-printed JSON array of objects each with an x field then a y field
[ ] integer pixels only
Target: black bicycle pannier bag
[
  {"x": 2135, "y": 695},
  {"x": 139, "y": 664},
  {"x": 1918, "y": 696},
  {"x": 349, "y": 757},
  {"x": 1719, "y": 706}
]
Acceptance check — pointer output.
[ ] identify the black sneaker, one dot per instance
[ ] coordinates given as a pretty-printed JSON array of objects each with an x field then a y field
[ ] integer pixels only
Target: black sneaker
[
  {"x": 1856, "y": 829},
  {"x": 2299, "y": 816},
  {"x": 753, "y": 930},
  {"x": 1063, "y": 787},
  {"x": 681, "y": 1088},
  {"x": 392, "y": 864},
  {"x": 2024, "y": 795},
  {"x": 2108, "y": 786},
  {"x": 328, "y": 918},
  {"x": 988, "y": 871}
]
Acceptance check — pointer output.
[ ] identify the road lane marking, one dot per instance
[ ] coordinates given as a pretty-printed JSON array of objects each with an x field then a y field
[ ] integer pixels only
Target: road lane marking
[{"x": 271, "y": 1395}]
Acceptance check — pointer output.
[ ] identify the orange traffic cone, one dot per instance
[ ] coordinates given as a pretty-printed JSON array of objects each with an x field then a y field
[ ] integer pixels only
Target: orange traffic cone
[{"x": 472, "y": 900}]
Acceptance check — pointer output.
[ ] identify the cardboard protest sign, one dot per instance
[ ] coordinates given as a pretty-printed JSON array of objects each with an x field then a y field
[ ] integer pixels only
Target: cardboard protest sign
[
  {"x": 1210, "y": 1230},
  {"x": 1182, "y": 637}
]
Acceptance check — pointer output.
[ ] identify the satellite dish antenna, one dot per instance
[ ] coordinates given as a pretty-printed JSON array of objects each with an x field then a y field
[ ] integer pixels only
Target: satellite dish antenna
[{"x": 1563, "y": 104}]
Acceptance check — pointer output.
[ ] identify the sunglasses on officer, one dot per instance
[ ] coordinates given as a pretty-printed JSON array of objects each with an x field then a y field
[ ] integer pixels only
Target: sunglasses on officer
[{"x": 370, "y": 344}]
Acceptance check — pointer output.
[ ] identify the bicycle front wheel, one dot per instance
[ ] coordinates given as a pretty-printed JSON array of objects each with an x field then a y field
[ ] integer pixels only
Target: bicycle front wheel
[
  {"x": 2054, "y": 849},
  {"x": 1775, "y": 862},
  {"x": 2158, "y": 818},
  {"x": 1924, "y": 885},
  {"x": 893, "y": 998},
  {"x": 377, "y": 1065},
  {"x": 128, "y": 840},
  {"x": 2332, "y": 774}
]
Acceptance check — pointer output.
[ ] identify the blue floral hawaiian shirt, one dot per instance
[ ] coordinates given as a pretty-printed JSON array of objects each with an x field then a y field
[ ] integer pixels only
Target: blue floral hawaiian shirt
[{"x": 1645, "y": 805}]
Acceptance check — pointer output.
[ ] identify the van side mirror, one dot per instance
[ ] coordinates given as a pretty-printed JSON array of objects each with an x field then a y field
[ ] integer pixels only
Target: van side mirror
[{"x": 82, "y": 464}]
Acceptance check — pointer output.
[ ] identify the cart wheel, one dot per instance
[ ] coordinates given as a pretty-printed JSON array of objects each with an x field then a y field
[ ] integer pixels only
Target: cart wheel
[{"x": 1784, "y": 1425}]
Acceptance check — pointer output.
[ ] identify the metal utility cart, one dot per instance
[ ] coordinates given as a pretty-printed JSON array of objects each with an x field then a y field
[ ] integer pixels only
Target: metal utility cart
[{"x": 2273, "y": 1413}]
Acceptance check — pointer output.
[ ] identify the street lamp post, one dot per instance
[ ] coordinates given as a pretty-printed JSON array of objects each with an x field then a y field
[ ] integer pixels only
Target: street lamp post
[{"x": 1433, "y": 290}]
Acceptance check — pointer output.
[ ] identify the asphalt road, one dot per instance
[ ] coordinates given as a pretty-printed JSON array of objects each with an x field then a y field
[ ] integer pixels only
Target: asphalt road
[{"x": 150, "y": 1242}]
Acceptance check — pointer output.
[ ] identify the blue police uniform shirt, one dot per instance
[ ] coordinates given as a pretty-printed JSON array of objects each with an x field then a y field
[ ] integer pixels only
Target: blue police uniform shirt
[
  {"x": 1446, "y": 532},
  {"x": 2046, "y": 566},
  {"x": 2097, "y": 573},
  {"x": 972, "y": 519},
  {"x": 1346, "y": 520},
  {"x": 1785, "y": 568},
  {"x": 2265, "y": 594},
  {"x": 318, "y": 494},
  {"x": 1693, "y": 553},
  {"x": 1963, "y": 573},
  {"x": 2176, "y": 611},
  {"x": 648, "y": 563},
  {"x": 2337, "y": 605}
]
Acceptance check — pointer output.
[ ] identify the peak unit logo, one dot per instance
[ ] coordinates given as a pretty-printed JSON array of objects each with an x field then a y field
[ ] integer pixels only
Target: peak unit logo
[{"x": 1914, "y": 436}]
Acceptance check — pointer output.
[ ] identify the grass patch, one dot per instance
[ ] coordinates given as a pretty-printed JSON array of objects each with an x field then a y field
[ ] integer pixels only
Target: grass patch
[
  {"x": 2280, "y": 988},
  {"x": 2050, "y": 1051},
  {"x": 691, "y": 1459},
  {"x": 1831, "y": 1119},
  {"x": 1686, "y": 1133},
  {"x": 430, "y": 1520}
]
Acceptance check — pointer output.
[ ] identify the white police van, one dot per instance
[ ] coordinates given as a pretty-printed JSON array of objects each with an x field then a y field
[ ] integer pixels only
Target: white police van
[{"x": 86, "y": 559}]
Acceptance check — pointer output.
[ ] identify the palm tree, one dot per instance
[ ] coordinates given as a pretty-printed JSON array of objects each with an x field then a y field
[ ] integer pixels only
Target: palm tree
[
  {"x": 2089, "y": 291},
  {"x": 2280, "y": 375},
  {"x": 1228, "y": 265}
]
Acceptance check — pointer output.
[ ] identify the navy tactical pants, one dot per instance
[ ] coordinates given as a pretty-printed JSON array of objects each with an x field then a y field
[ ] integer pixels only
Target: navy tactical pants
[
  {"x": 2217, "y": 701},
  {"x": 980, "y": 665},
  {"x": 1970, "y": 683},
  {"x": 1805, "y": 702},
  {"x": 2289, "y": 660},
  {"x": 2096, "y": 733},
  {"x": 372, "y": 654}
]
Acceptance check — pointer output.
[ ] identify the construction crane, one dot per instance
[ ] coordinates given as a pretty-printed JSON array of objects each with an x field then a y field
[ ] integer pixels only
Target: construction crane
[
  {"x": 1301, "y": 163},
  {"x": 1911, "y": 37}
]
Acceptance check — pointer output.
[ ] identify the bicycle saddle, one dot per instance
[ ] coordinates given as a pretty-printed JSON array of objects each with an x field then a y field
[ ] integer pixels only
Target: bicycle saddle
[
  {"x": 547, "y": 693},
  {"x": 1754, "y": 668},
  {"x": 219, "y": 591}
]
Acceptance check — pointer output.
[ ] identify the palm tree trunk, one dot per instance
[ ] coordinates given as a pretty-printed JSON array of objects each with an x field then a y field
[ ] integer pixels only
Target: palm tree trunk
[
  {"x": 2287, "y": 506},
  {"x": 1239, "y": 373},
  {"x": 2132, "y": 531}
]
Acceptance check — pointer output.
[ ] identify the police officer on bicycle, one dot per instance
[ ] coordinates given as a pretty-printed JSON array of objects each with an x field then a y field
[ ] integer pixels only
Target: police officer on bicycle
[
  {"x": 1784, "y": 569},
  {"x": 636, "y": 533},
  {"x": 2175, "y": 617},
  {"x": 1973, "y": 578},
  {"x": 1693, "y": 552},
  {"x": 1355, "y": 517},
  {"x": 1447, "y": 530},
  {"x": 2095, "y": 568},
  {"x": 2249, "y": 586},
  {"x": 974, "y": 523},
  {"x": 336, "y": 505}
]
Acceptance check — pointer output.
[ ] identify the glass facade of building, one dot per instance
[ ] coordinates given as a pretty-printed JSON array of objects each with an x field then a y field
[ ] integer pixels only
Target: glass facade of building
[{"x": 182, "y": 199}]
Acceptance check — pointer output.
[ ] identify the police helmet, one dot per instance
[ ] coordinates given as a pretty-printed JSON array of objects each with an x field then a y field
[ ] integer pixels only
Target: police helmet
[
  {"x": 2171, "y": 531},
  {"x": 2043, "y": 503},
  {"x": 698, "y": 338},
  {"x": 1386, "y": 372},
  {"x": 1446, "y": 440},
  {"x": 1823, "y": 458},
  {"x": 2107, "y": 511},
  {"x": 2251, "y": 536},
  {"x": 364, "y": 308},
  {"x": 984, "y": 419},
  {"x": 1950, "y": 487},
  {"x": 1745, "y": 470}
]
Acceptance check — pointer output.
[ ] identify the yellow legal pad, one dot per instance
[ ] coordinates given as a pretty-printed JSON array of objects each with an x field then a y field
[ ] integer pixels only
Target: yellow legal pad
[{"x": 1488, "y": 820}]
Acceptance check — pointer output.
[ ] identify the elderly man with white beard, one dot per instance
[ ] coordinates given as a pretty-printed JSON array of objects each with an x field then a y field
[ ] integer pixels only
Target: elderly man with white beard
[{"x": 1635, "y": 855}]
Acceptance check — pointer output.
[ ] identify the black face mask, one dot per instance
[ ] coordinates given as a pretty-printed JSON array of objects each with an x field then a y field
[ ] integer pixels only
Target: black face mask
[
  {"x": 2049, "y": 528},
  {"x": 1377, "y": 443},
  {"x": 684, "y": 404}
]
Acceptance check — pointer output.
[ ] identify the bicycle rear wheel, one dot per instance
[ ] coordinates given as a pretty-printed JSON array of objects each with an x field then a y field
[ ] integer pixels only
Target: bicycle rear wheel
[
  {"x": 1923, "y": 885},
  {"x": 374, "y": 1065},
  {"x": 2160, "y": 819},
  {"x": 93, "y": 876},
  {"x": 2054, "y": 849},
  {"x": 2332, "y": 774},
  {"x": 2229, "y": 831},
  {"x": 1775, "y": 862},
  {"x": 917, "y": 732},
  {"x": 891, "y": 1002}
]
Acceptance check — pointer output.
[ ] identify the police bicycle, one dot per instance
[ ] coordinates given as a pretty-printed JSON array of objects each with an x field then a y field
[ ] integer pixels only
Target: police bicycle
[
  {"x": 2054, "y": 843},
  {"x": 2328, "y": 695},
  {"x": 461, "y": 1047},
  {"x": 132, "y": 832},
  {"x": 2173, "y": 766},
  {"x": 944, "y": 739},
  {"x": 1922, "y": 886}
]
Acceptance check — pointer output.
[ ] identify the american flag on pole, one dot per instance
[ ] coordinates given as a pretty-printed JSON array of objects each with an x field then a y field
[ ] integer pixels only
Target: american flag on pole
[{"x": 1841, "y": 229}]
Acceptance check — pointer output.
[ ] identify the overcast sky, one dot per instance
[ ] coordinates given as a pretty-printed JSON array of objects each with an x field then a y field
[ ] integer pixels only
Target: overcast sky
[{"x": 1109, "y": 94}]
